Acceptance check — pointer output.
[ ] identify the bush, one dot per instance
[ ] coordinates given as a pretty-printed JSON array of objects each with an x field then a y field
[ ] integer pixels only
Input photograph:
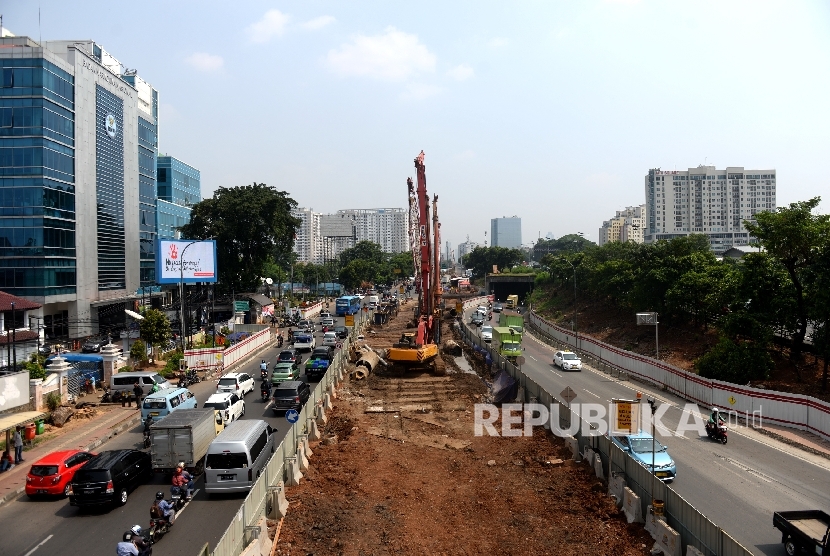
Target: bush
[
  {"x": 53, "y": 401},
  {"x": 36, "y": 366},
  {"x": 172, "y": 365},
  {"x": 737, "y": 363},
  {"x": 138, "y": 351}
]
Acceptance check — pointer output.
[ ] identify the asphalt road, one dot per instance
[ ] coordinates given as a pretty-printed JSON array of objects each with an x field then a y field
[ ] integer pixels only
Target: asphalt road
[
  {"x": 738, "y": 485},
  {"x": 54, "y": 528}
]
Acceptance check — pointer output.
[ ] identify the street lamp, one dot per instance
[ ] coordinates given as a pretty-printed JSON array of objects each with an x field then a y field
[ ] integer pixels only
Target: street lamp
[
  {"x": 181, "y": 288},
  {"x": 576, "y": 328},
  {"x": 14, "y": 335}
]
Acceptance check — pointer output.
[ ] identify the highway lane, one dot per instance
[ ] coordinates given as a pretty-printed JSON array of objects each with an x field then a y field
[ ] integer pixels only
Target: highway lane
[
  {"x": 737, "y": 485},
  {"x": 63, "y": 529}
]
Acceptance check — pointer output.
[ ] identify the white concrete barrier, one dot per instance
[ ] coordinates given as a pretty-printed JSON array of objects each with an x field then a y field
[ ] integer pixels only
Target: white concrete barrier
[
  {"x": 573, "y": 444},
  {"x": 279, "y": 504},
  {"x": 651, "y": 522},
  {"x": 293, "y": 471},
  {"x": 692, "y": 551},
  {"x": 262, "y": 545},
  {"x": 321, "y": 414},
  {"x": 327, "y": 402},
  {"x": 588, "y": 456},
  {"x": 302, "y": 461},
  {"x": 313, "y": 432},
  {"x": 303, "y": 440},
  {"x": 616, "y": 484},
  {"x": 631, "y": 506},
  {"x": 598, "y": 469},
  {"x": 668, "y": 539}
]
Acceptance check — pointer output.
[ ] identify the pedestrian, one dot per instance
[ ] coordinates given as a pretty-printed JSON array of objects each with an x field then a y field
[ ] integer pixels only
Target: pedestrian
[
  {"x": 18, "y": 446},
  {"x": 6, "y": 461},
  {"x": 138, "y": 390}
]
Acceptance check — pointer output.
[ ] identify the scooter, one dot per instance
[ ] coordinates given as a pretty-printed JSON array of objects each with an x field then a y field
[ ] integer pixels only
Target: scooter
[
  {"x": 717, "y": 434},
  {"x": 177, "y": 498},
  {"x": 159, "y": 526}
]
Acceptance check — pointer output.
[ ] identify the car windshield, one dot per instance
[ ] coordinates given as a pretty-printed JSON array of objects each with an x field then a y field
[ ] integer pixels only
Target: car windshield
[
  {"x": 217, "y": 405},
  {"x": 285, "y": 393},
  {"x": 286, "y": 356},
  {"x": 226, "y": 460},
  {"x": 510, "y": 345},
  {"x": 486, "y": 329},
  {"x": 227, "y": 382},
  {"x": 158, "y": 379},
  {"x": 43, "y": 470},
  {"x": 643, "y": 445},
  {"x": 569, "y": 356},
  {"x": 284, "y": 369},
  {"x": 303, "y": 338},
  {"x": 151, "y": 403},
  {"x": 91, "y": 476}
]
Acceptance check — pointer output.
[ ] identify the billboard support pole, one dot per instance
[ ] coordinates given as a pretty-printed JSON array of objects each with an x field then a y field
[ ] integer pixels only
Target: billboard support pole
[{"x": 181, "y": 291}]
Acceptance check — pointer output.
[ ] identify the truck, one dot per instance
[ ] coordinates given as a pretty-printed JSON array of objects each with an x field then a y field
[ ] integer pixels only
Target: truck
[
  {"x": 510, "y": 341},
  {"x": 182, "y": 436},
  {"x": 512, "y": 320},
  {"x": 512, "y": 301},
  {"x": 807, "y": 530}
]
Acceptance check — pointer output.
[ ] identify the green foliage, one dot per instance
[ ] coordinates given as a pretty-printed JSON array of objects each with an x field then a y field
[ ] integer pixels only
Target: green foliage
[
  {"x": 36, "y": 365},
  {"x": 735, "y": 362},
  {"x": 482, "y": 259},
  {"x": 172, "y": 365},
  {"x": 365, "y": 262},
  {"x": 155, "y": 328},
  {"x": 138, "y": 351},
  {"x": 53, "y": 401},
  {"x": 253, "y": 227}
]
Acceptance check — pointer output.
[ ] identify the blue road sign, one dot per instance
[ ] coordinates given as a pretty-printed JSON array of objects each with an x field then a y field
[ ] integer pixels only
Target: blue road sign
[{"x": 292, "y": 416}]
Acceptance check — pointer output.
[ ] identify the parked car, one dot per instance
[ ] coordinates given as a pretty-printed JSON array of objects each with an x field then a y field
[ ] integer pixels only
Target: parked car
[
  {"x": 53, "y": 473},
  {"x": 290, "y": 355},
  {"x": 93, "y": 345},
  {"x": 291, "y": 394},
  {"x": 45, "y": 351},
  {"x": 567, "y": 361},
  {"x": 342, "y": 332},
  {"x": 285, "y": 371},
  {"x": 109, "y": 477},
  {"x": 487, "y": 333},
  {"x": 237, "y": 383},
  {"x": 642, "y": 447},
  {"x": 230, "y": 404}
]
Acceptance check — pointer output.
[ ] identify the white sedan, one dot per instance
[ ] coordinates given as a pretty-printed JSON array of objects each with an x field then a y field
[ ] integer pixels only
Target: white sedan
[
  {"x": 567, "y": 361},
  {"x": 487, "y": 333}
]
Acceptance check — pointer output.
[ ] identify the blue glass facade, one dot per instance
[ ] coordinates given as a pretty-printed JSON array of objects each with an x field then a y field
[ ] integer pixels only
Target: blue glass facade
[
  {"x": 171, "y": 217},
  {"x": 178, "y": 183},
  {"x": 37, "y": 178},
  {"x": 109, "y": 184}
]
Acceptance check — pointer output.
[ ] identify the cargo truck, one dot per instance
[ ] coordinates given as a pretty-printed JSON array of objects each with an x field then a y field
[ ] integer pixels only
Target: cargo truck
[
  {"x": 512, "y": 301},
  {"x": 512, "y": 320},
  {"x": 510, "y": 342},
  {"x": 807, "y": 530},
  {"x": 182, "y": 436}
]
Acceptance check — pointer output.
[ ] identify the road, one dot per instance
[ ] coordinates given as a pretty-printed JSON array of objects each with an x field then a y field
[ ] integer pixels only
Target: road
[
  {"x": 54, "y": 528},
  {"x": 737, "y": 485}
]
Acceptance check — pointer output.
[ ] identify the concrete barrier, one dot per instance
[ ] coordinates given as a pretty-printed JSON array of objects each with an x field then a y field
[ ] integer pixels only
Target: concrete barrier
[
  {"x": 321, "y": 414},
  {"x": 302, "y": 461},
  {"x": 331, "y": 391},
  {"x": 668, "y": 539},
  {"x": 616, "y": 484},
  {"x": 313, "y": 432},
  {"x": 327, "y": 402},
  {"x": 292, "y": 468},
  {"x": 599, "y": 471},
  {"x": 692, "y": 551},
  {"x": 279, "y": 504},
  {"x": 573, "y": 444},
  {"x": 262, "y": 544},
  {"x": 303, "y": 440},
  {"x": 651, "y": 522},
  {"x": 631, "y": 506}
]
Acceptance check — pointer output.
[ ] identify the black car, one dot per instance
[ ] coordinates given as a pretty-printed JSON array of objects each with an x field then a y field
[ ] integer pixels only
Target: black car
[
  {"x": 93, "y": 346},
  {"x": 109, "y": 477},
  {"x": 45, "y": 351},
  {"x": 289, "y": 355},
  {"x": 291, "y": 394},
  {"x": 341, "y": 331}
]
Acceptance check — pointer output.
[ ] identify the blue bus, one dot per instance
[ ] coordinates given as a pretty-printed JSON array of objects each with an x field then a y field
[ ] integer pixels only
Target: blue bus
[{"x": 347, "y": 305}]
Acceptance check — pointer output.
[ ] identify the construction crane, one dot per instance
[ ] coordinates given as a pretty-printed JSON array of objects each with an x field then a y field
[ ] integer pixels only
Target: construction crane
[{"x": 420, "y": 348}]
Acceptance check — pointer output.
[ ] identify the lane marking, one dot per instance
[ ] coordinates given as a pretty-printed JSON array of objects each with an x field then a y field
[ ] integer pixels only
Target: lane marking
[
  {"x": 592, "y": 393},
  {"x": 754, "y": 472},
  {"x": 557, "y": 374},
  {"x": 41, "y": 543},
  {"x": 533, "y": 358}
]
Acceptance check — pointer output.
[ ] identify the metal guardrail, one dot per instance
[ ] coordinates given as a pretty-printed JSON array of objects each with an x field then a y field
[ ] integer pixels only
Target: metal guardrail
[{"x": 695, "y": 529}]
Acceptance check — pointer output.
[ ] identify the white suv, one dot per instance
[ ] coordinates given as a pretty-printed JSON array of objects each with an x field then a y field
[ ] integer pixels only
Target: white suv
[
  {"x": 235, "y": 383},
  {"x": 487, "y": 333},
  {"x": 567, "y": 361},
  {"x": 231, "y": 405}
]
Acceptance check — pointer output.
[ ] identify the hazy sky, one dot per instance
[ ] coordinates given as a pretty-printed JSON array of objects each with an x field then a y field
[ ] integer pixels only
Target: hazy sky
[{"x": 551, "y": 111}]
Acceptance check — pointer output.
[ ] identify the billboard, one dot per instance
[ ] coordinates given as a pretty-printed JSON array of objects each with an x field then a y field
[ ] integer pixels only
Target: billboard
[
  {"x": 14, "y": 390},
  {"x": 190, "y": 261}
]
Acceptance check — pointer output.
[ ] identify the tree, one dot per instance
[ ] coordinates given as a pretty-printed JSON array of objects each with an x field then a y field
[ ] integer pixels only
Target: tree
[
  {"x": 368, "y": 251},
  {"x": 735, "y": 362},
  {"x": 356, "y": 272},
  {"x": 155, "y": 328},
  {"x": 795, "y": 237},
  {"x": 482, "y": 259},
  {"x": 138, "y": 351},
  {"x": 252, "y": 226}
]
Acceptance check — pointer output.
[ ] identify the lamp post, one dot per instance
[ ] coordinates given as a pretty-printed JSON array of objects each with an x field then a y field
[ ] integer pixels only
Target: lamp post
[
  {"x": 576, "y": 328},
  {"x": 181, "y": 288}
]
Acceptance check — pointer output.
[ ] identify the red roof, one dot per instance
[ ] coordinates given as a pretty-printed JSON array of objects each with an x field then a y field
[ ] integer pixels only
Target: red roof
[
  {"x": 19, "y": 337},
  {"x": 20, "y": 304}
]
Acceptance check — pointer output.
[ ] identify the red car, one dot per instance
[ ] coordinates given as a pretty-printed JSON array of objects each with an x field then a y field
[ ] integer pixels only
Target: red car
[{"x": 52, "y": 473}]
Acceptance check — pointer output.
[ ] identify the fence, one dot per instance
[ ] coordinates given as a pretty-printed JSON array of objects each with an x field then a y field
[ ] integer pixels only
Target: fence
[
  {"x": 242, "y": 529},
  {"x": 789, "y": 410},
  {"x": 694, "y": 528},
  {"x": 213, "y": 358}
]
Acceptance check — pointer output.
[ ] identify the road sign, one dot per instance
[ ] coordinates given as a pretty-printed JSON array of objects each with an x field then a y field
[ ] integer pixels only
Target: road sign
[
  {"x": 292, "y": 416},
  {"x": 241, "y": 306},
  {"x": 338, "y": 345},
  {"x": 568, "y": 394},
  {"x": 520, "y": 360},
  {"x": 625, "y": 416},
  {"x": 732, "y": 400},
  {"x": 349, "y": 320}
]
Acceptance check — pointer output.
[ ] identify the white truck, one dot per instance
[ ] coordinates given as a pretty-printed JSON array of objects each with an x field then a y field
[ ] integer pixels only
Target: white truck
[{"x": 182, "y": 436}]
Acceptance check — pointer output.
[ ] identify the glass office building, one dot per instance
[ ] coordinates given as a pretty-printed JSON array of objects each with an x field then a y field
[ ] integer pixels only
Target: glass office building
[
  {"x": 506, "y": 232},
  {"x": 179, "y": 188}
]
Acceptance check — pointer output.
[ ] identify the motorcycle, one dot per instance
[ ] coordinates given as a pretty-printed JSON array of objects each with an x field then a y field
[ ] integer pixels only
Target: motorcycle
[
  {"x": 159, "y": 526},
  {"x": 265, "y": 392},
  {"x": 177, "y": 498},
  {"x": 263, "y": 374},
  {"x": 193, "y": 376},
  {"x": 717, "y": 434}
]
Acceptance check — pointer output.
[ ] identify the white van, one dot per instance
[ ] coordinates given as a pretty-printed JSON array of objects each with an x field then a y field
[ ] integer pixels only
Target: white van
[
  {"x": 124, "y": 382},
  {"x": 373, "y": 300},
  {"x": 236, "y": 457}
]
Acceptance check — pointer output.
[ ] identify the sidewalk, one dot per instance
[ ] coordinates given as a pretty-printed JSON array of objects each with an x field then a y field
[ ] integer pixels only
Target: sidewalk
[{"x": 95, "y": 432}]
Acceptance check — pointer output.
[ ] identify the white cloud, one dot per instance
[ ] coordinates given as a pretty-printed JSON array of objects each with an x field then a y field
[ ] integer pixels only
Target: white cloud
[
  {"x": 203, "y": 61},
  {"x": 498, "y": 42},
  {"x": 419, "y": 91},
  {"x": 272, "y": 24},
  {"x": 318, "y": 22},
  {"x": 461, "y": 72},
  {"x": 392, "y": 56}
]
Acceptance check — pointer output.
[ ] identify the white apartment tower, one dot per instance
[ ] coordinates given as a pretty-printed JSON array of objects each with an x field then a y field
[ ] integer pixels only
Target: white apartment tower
[
  {"x": 307, "y": 243},
  {"x": 705, "y": 200},
  {"x": 627, "y": 225},
  {"x": 385, "y": 226}
]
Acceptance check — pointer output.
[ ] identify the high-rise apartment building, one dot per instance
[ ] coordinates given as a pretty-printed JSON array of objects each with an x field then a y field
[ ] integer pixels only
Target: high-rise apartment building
[
  {"x": 707, "y": 201},
  {"x": 308, "y": 243},
  {"x": 627, "y": 225},
  {"x": 465, "y": 249},
  {"x": 506, "y": 232},
  {"x": 385, "y": 226}
]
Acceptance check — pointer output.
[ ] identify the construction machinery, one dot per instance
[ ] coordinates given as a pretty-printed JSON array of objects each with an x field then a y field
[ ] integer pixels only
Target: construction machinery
[{"x": 419, "y": 349}]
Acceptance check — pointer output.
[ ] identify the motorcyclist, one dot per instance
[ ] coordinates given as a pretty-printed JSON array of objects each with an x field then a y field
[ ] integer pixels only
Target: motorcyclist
[
  {"x": 163, "y": 508},
  {"x": 263, "y": 367},
  {"x": 183, "y": 480},
  {"x": 133, "y": 543},
  {"x": 265, "y": 388},
  {"x": 716, "y": 419}
]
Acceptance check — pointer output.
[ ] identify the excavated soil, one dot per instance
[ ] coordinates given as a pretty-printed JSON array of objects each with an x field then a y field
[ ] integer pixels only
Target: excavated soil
[{"x": 400, "y": 471}]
